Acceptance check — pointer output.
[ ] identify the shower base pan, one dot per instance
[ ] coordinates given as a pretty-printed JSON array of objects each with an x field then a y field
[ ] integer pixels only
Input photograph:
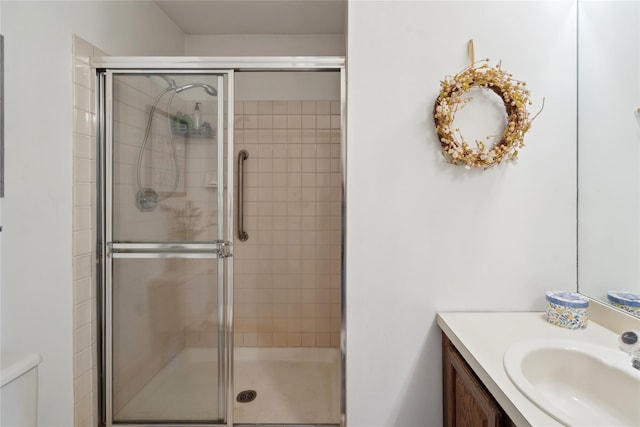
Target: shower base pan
[{"x": 293, "y": 385}]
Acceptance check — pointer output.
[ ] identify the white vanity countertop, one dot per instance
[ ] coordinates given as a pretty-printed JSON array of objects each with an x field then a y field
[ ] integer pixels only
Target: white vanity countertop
[{"x": 482, "y": 339}]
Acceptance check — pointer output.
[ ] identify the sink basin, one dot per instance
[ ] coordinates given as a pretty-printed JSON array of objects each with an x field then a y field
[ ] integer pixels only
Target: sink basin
[{"x": 577, "y": 383}]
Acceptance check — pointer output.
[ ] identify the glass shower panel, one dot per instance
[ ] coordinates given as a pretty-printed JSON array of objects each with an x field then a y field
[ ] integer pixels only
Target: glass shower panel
[
  {"x": 165, "y": 170},
  {"x": 167, "y": 238},
  {"x": 165, "y": 340}
]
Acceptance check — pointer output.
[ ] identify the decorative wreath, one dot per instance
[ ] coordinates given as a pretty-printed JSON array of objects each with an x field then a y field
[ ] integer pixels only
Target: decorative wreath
[{"x": 515, "y": 97}]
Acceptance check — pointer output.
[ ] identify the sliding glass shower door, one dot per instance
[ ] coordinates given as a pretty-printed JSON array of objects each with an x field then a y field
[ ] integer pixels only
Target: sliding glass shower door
[{"x": 167, "y": 237}]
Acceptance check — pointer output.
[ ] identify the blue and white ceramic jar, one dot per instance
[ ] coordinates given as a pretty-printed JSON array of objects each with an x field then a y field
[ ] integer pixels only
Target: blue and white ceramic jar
[
  {"x": 567, "y": 309},
  {"x": 627, "y": 301}
]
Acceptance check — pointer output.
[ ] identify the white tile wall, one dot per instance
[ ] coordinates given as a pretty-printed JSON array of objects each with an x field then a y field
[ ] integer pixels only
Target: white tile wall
[
  {"x": 287, "y": 275},
  {"x": 84, "y": 232}
]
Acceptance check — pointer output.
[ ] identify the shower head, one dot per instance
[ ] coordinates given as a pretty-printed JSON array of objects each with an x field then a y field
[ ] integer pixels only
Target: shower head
[{"x": 207, "y": 88}]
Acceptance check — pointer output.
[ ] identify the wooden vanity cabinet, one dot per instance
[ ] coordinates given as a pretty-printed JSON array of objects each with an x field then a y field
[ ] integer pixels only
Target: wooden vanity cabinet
[{"x": 466, "y": 402}]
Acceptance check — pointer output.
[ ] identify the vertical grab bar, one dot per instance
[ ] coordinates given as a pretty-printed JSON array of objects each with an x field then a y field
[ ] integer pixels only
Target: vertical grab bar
[{"x": 242, "y": 156}]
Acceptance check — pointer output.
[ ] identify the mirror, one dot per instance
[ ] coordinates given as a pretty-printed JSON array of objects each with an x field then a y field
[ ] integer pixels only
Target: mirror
[{"x": 609, "y": 150}]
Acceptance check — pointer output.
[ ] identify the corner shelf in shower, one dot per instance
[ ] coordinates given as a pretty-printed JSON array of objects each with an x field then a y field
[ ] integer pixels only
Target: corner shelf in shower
[{"x": 182, "y": 130}]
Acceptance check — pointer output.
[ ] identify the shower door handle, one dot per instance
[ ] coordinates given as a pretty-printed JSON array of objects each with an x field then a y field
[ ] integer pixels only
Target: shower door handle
[{"x": 242, "y": 235}]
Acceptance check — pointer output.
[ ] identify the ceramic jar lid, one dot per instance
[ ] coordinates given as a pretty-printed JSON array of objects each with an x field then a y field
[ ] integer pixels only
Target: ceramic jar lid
[
  {"x": 625, "y": 298},
  {"x": 567, "y": 299}
]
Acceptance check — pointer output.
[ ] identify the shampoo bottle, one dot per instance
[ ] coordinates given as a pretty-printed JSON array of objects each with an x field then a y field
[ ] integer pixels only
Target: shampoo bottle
[{"x": 196, "y": 117}]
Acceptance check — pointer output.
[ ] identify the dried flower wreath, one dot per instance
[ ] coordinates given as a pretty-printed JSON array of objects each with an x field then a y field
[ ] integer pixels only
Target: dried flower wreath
[{"x": 515, "y": 97}]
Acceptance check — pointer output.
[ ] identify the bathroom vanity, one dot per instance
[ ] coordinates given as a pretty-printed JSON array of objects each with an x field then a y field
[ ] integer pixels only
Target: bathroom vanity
[
  {"x": 465, "y": 399},
  {"x": 478, "y": 389}
]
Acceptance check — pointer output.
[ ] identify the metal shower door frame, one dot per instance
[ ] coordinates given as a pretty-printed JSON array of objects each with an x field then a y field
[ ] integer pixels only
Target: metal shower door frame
[
  {"x": 219, "y": 249},
  {"x": 227, "y": 65}
]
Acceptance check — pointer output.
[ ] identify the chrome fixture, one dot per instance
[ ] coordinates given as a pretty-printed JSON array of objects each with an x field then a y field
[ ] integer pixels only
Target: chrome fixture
[
  {"x": 146, "y": 198},
  {"x": 630, "y": 344}
]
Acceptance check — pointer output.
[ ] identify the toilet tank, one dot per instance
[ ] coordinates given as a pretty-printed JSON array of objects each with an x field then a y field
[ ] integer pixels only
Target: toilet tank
[{"x": 19, "y": 389}]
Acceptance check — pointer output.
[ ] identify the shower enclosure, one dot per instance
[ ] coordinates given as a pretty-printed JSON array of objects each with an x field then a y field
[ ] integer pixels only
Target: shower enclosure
[{"x": 220, "y": 241}]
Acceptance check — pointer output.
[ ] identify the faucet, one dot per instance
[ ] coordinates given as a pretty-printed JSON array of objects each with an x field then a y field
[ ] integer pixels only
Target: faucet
[{"x": 630, "y": 344}]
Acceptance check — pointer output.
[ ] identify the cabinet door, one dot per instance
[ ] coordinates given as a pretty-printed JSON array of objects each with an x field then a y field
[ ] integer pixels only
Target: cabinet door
[{"x": 466, "y": 402}]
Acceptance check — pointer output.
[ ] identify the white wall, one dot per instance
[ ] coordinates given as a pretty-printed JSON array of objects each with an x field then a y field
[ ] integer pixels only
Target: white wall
[
  {"x": 37, "y": 262},
  {"x": 609, "y": 148},
  {"x": 264, "y": 45},
  {"x": 1, "y": 200},
  {"x": 424, "y": 236}
]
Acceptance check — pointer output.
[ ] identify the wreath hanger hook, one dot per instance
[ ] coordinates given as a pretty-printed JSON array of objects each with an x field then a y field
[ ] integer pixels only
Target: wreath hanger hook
[{"x": 472, "y": 54}]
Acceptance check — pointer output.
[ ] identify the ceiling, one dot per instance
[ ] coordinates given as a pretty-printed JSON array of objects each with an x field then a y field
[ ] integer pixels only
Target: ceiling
[{"x": 257, "y": 16}]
